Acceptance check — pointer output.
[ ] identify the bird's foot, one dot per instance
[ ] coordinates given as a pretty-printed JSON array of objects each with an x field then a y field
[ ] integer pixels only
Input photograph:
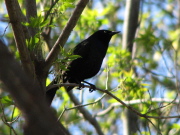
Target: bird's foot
[
  {"x": 92, "y": 88},
  {"x": 81, "y": 85}
]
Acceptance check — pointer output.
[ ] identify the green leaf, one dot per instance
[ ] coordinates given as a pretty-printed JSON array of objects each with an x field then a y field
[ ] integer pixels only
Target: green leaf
[
  {"x": 7, "y": 100},
  {"x": 72, "y": 57},
  {"x": 69, "y": 5},
  {"x": 16, "y": 112},
  {"x": 44, "y": 23},
  {"x": 25, "y": 24}
]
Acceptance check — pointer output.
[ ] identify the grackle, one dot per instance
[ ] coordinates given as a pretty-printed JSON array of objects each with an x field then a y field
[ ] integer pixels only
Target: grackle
[{"x": 92, "y": 52}]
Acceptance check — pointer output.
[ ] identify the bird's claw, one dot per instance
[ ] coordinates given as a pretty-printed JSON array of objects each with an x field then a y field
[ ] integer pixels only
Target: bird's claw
[
  {"x": 81, "y": 85},
  {"x": 92, "y": 88}
]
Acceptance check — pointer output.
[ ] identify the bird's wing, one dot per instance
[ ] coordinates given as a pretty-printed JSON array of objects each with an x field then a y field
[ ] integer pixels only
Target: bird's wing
[{"x": 82, "y": 48}]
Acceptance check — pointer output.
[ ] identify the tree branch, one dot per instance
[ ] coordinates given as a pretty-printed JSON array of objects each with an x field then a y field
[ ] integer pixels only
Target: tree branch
[
  {"x": 39, "y": 119},
  {"x": 86, "y": 114},
  {"x": 47, "y": 30},
  {"x": 131, "y": 23},
  {"x": 9, "y": 124},
  {"x": 31, "y": 11},
  {"x": 123, "y": 103},
  {"x": 20, "y": 33},
  {"x": 65, "y": 33},
  {"x": 137, "y": 101},
  {"x": 53, "y": 3}
]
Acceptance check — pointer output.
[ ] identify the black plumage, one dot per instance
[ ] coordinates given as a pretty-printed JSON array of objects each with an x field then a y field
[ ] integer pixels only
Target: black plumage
[{"x": 92, "y": 51}]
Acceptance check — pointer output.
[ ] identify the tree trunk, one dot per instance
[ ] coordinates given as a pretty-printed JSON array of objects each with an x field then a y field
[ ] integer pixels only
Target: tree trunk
[{"x": 130, "y": 26}]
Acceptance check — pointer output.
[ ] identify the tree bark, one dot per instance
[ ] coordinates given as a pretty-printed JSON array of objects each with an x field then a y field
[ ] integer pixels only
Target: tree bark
[
  {"x": 20, "y": 34},
  {"x": 130, "y": 26},
  {"x": 39, "y": 119}
]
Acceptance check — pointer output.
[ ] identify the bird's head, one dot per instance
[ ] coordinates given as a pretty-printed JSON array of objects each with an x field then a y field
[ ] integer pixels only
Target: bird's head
[{"x": 104, "y": 35}]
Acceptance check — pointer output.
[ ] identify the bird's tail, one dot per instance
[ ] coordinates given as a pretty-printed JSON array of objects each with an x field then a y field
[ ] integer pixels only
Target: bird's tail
[
  {"x": 69, "y": 88},
  {"x": 65, "y": 80},
  {"x": 51, "y": 91}
]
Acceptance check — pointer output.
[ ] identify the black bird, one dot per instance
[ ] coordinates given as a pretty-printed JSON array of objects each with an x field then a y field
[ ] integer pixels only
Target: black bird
[{"x": 92, "y": 52}]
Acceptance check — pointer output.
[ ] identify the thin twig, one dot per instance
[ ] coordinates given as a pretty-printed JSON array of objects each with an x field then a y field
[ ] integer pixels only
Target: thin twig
[
  {"x": 117, "y": 99},
  {"x": 154, "y": 126},
  {"x": 172, "y": 101},
  {"x": 60, "y": 116},
  {"x": 50, "y": 9},
  {"x": 5, "y": 30},
  {"x": 78, "y": 106},
  {"x": 5, "y": 120},
  {"x": 87, "y": 115},
  {"x": 137, "y": 101}
]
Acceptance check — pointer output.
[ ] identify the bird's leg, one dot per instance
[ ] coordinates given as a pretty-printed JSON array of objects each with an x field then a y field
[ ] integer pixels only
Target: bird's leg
[
  {"x": 92, "y": 86},
  {"x": 81, "y": 85}
]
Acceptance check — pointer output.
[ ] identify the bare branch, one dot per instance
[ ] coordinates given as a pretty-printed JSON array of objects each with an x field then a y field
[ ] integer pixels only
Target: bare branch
[
  {"x": 87, "y": 115},
  {"x": 123, "y": 103},
  {"x": 40, "y": 120},
  {"x": 131, "y": 23},
  {"x": 31, "y": 11},
  {"x": 20, "y": 34},
  {"x": 135, "y": 111},
  {"x": 81, "y": 105},
  {"x": 53, "y": 3},
  {"x": 5, "y": 30},
  {"x": 137, "y": 101},
  {"x": 159, "y": 131},
  {"x": 65, "y": 33},
  {"x": 5, "y": 120},
  {"x": 47, "y": 30}
]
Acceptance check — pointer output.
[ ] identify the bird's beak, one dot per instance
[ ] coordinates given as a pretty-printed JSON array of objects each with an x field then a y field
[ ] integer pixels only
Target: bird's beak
[{"x": 114, "y": 32}]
